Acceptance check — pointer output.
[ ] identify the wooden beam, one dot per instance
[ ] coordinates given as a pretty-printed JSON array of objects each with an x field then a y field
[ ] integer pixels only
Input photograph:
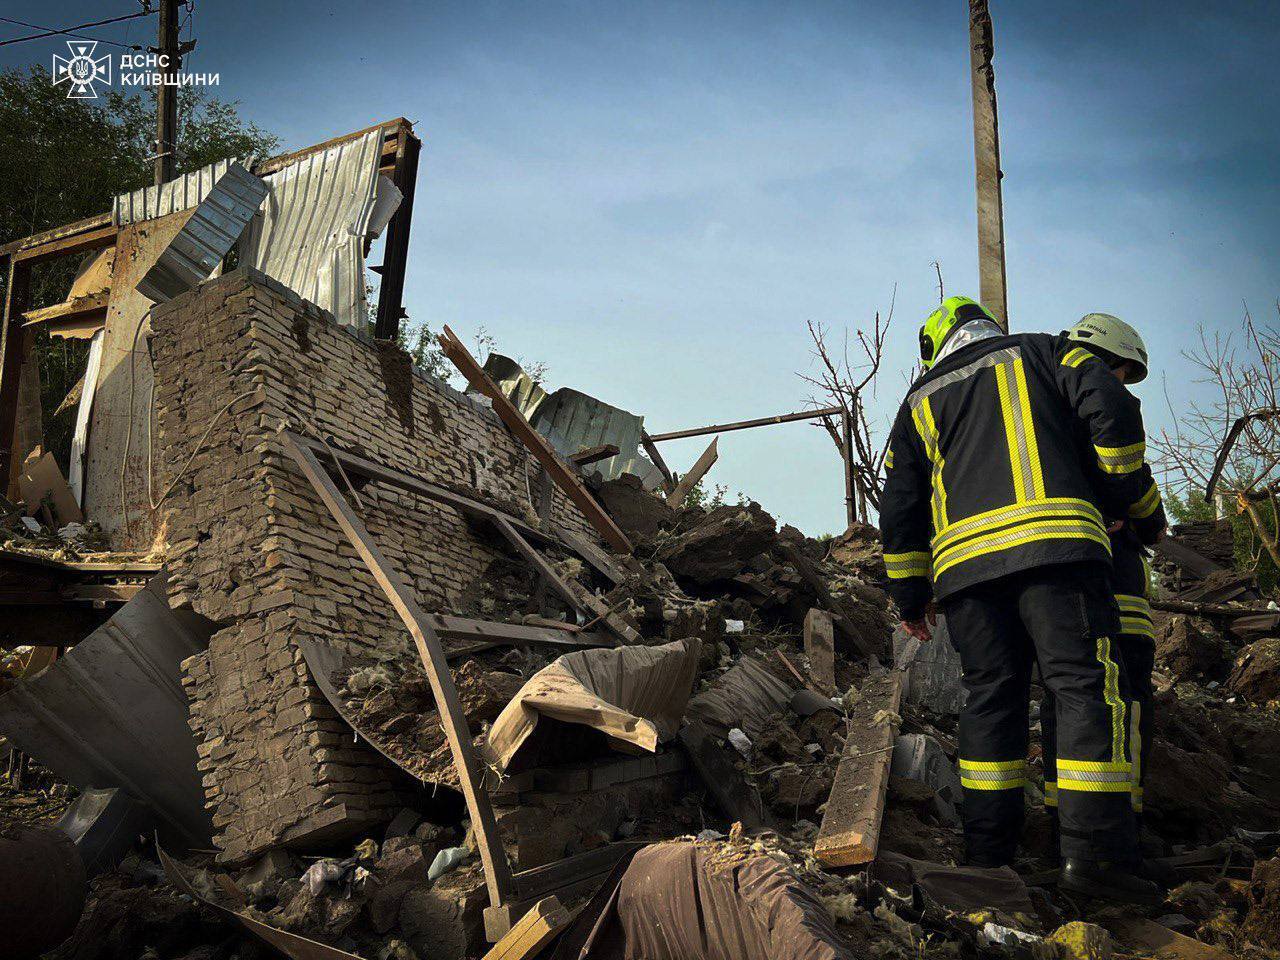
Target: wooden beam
[
  {"x": 396, "y": 257},
  {"x": 68, "y": 246},
  {"x": 820, "y": 648},
  {"x": 453, "y": 719},
  {"x": 536, "y": 442},
  {"x": 986, "y": 151},
  {"x": 696, "y": 473},
  {"x": 745, "y": 424},
  {"x": 272, "y": 164},
  {"x": 15, "y": 344},
  {"x": 493, "y": 634},
  {"x": 825, "y": 597},
  {"x": 55, "y": 234},
  {"x": 602, "y": 451},
  {"x": 655, "y": 455},
  {"x": 531, "y": 932},
  {"x": 850, "y": 831},
  {"x": 581, "y": 600}
]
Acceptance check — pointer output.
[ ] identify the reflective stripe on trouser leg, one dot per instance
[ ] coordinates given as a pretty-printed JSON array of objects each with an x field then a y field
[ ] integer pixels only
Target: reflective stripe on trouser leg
[
  {"x": 993, "y": 774},
  {"x": 1135, "y": 750}
]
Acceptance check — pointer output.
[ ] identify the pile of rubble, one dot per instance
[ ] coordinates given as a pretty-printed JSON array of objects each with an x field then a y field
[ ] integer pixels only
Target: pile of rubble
[{"x": 782, "y": 708}]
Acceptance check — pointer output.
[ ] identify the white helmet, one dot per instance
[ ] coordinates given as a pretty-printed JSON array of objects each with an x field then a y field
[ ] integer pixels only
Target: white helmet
[{"x": 1113, "y": 340}]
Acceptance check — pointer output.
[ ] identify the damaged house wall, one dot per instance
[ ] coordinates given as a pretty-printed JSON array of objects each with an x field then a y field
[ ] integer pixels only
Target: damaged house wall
[{"x": 250, "y": 547}]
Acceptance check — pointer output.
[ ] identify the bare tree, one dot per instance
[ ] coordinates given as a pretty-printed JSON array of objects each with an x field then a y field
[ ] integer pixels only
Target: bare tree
[
  {"x": 846, "y": 376},
  {"x": 1230, "y": 444}
]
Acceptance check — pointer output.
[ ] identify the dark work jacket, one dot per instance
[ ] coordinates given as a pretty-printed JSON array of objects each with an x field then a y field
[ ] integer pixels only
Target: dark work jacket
[{"x": 985, "y": 476}]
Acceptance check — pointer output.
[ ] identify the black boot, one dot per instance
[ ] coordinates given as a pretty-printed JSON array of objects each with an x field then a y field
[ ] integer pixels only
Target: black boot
[{"x": 1107, "y": 881}]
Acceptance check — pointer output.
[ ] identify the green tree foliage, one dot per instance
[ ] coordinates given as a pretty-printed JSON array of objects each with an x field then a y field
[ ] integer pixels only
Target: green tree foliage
[
  {"x": 63, "y": 160},
  {"x": 1248, "y": 554}
]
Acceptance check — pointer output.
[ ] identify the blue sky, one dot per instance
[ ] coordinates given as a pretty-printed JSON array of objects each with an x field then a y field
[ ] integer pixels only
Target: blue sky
[{"x": 654, "y": 198}]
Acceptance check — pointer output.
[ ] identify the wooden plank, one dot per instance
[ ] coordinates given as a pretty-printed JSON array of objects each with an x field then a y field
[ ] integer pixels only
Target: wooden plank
[
  {"x": 737, "y": 799},
  {"x": 94, "y": 304},
  {"x": 696, "y": 473},
  {"x": 396, "y": 248},
  {"x": 825, "y": 597},
  {"x": 581, "y": 600},
  {"x": 820, "y": 648},
  {"x": 272, "y": 164},
  {"x": 537, "y": 444},
  {"x": 497, "y": 869},
  {"x": 986, "y": 151},
  {"x": 579, "y": 544},
  {"x": 850, "y": 831},
  {"x": 55, "y": 234},
  {"x": 506, "y": 634},
  {"x": 531, "y": 932},
  {"x": 744, "y": 424},
  {"x": 15, "y": 346},
  {"x": 67, "y": 246},
  {"x": 589, "y": 455},
  {"x": 651, "y": 448}
]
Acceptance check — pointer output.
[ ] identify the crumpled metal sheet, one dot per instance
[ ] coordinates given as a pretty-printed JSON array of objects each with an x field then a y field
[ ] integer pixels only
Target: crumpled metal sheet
[
  {"x": 208, "y": 236},
  {"x": 573, "y": 421},
  {"x": 311, "y": 232},
  {"x": 290, "y": 944},
  {"x": 700, "y": 901},
  {"x": 112, "y": 712},
  {"x": 634, "y": 695},
  {"x": 177, "y": 195}
]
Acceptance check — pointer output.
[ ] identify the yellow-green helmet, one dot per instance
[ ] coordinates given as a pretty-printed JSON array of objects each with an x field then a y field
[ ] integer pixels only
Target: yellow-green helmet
[
  {"x": 951, "y": 314},
  {"x": 1113, "y": 340}
]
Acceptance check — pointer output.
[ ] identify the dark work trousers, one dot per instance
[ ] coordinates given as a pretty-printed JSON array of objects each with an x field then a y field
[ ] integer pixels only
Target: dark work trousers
[
  {"x": 1063, "y": 618},
  {"x": 1137, "y": 656}
]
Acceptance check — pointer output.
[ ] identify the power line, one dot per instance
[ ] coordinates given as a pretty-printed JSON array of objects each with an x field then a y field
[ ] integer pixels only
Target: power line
[{"x": 70, "y": 31}]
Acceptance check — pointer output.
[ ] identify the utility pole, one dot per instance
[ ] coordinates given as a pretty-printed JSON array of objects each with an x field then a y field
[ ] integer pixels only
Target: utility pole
[
  {"x": 986, "y": 152},
  {"x": 167, "y": 96}
]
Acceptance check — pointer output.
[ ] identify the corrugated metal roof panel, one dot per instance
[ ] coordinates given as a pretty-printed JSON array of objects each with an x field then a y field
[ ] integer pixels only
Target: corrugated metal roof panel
[
  {"x": 310, "y": 232},
  {"x": 573, "y": 421},
  {"x": 176, "y": 195},
  {"x": 208, "y": 236},
  {"x": 112, "y": 712}
]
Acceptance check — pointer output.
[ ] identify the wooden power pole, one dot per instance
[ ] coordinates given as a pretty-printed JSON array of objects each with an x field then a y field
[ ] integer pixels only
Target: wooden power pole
[
  {"x": 986, "y": 152},
  {"x": 167, "y": 96}
]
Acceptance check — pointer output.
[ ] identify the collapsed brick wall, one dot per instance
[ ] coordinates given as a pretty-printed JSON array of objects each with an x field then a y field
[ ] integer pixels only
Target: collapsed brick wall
[{"x": 250, "y": 546}]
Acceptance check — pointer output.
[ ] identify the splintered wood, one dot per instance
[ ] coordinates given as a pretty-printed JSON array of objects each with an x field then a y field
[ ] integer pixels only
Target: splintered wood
[
  {"x": 850, "y": 831},
  {"x": 820, "y": 648},
  {"x": 532, "y": 931}
]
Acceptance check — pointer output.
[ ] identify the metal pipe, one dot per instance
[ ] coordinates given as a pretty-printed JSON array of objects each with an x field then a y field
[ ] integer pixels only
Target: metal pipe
[{"x": 746, "y": 424}]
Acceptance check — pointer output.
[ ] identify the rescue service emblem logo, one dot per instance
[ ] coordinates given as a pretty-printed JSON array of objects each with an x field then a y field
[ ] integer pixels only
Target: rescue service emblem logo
[{"x": 81, "y": 71}]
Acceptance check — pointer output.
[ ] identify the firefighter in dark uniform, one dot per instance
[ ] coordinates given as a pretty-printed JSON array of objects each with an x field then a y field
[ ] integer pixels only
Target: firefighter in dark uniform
[
  {"x": 990, "y": 509},
  {"x": 1119, "y": 346}
]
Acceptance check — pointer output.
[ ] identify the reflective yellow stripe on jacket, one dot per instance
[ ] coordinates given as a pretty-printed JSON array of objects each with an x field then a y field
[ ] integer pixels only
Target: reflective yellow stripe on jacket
[
  {"x": 1135, "y": 615},
  {"x": 1045, "y": 519}
]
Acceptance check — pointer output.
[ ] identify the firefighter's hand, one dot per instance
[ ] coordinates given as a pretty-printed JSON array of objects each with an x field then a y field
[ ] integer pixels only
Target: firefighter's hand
[{"x": 920, "y": 629}]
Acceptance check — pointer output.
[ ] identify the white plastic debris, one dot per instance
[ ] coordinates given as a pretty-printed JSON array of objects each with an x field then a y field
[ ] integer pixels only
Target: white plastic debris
[
  {"x": 322, "y": 872},
  {"x": 31, "y": 524},
  {"x": 995, "y": 935},
  {"x": 734, "y": 626},
  {"x": 741, "y": 742},
  {"x": 446, "y": 860}
]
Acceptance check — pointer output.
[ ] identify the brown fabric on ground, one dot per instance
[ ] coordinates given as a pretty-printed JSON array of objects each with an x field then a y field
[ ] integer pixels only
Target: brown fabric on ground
[{"x": 689, "y": 901}]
